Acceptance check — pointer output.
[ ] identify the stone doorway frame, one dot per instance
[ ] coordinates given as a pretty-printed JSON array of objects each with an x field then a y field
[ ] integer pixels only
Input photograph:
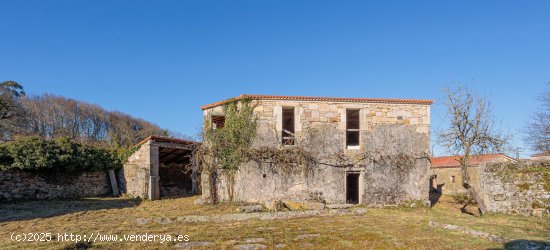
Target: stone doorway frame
[{"x": 360, "y": 185}]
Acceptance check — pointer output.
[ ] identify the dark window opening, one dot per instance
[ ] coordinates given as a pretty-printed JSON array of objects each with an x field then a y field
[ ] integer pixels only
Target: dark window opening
[
  {"x": 288, "y": 126},
  {"x": 218, "y": 121},
  {"x": 352, "y": 188},
  {"x": 452, "y": 179},
  {"x": 352, "y": 128}
]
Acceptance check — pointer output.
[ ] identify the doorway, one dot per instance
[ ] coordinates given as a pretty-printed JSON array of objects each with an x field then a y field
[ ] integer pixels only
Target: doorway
[
  {"x": 174, "y": 171},
  {"x": 352, "y": 188}
]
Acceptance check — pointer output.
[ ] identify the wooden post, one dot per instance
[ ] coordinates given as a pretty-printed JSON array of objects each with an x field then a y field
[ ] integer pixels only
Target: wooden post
[
  {"x": 114, "y": 184},
  {"x": 154, "y": 178},
  {"x": 154, "y": 192}
]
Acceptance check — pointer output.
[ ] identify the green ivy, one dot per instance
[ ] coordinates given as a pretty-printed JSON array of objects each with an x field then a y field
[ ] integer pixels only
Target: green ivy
[
  {"x": 230, "y": 144},
  {"x": 33, "y": 153}
]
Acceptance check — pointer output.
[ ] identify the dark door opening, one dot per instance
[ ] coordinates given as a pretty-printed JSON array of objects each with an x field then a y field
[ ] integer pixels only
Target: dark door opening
[
  {"x": 352, "y": 188},
  {"x": 175, "y": 176}
]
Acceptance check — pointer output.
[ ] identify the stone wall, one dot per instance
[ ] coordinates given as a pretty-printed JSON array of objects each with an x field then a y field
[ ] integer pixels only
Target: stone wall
[
  {"x": 385, "y": 129},
  {"x": 18, "y": 184},
  {"x": 136, "y": 172},
  {"x": 521, "y": 188}
]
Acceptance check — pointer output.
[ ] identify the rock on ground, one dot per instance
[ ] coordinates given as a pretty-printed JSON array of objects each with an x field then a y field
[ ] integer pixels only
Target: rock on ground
[
  {"x": 306, "y": 236},
  {"x": 249, "y": 247},
  {"x": 254, "y": 240},
  {"x": 304, "y": 205},
  {"x": 527, "y": 245},
  {"x": 474, "y": 233},
  {"x": 248, "y": 216},
  {"x": 193, "y": 244},
  {"x": 339, "y": 206},
  {"x": 250, "y": 209}
]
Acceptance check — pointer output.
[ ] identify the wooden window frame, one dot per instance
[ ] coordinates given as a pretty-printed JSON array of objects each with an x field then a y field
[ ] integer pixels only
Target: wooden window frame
[
  {"x": 288, "y": 136},
  {"x": 215, "y": 119},
  {"x": 353, "y": 130}
]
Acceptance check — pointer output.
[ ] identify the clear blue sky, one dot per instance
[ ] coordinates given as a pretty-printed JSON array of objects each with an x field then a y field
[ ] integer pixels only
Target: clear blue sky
[{"x": 162, "y": 60}]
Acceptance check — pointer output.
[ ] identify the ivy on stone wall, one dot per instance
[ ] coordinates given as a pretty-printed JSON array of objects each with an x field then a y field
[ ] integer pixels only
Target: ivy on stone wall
[
  {"x": 62, "y": 155},
  {"x": 225, "y": 149},
  {"x": 393, "y": 151}
]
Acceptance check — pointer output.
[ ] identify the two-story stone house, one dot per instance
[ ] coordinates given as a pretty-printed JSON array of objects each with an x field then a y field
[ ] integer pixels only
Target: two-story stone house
[{"x": 369, "y": 150}]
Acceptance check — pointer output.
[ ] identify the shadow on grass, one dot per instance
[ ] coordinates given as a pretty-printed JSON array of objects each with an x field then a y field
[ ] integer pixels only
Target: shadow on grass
[
  {"x": 78, "y": 246},
  {"x": 527, "y": 244},
  {"x": 28, "y": 210},
  {"x": 435, "y": 194}
]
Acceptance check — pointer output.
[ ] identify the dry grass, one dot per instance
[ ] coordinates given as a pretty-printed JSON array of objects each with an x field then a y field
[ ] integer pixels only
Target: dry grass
[{"x": 379, "y": 228}]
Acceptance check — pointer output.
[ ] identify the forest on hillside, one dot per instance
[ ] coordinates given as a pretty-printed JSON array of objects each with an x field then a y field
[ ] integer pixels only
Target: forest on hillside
[{"x": 50, "y": 116}]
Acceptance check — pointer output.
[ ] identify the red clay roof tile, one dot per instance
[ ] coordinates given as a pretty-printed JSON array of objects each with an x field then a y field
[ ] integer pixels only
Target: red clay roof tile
[
  {"x": 313, "y": 98},
  {"x": 166, "y": 139},
  {"x": 453, "y": 161}
]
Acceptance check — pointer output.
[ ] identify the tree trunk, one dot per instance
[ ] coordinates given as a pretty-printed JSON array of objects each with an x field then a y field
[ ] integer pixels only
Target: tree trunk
[
  {"x": 214, "y": 187},
  {"x": 230, "y": 184},
  {"x": 466, "y": 183},
  {"x": 479, "y": 201}
]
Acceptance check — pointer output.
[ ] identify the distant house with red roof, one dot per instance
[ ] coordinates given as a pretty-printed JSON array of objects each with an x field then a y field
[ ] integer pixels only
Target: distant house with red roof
[
  {"x": 541, "y": 156},
  {"x": 446, "y": 175}
]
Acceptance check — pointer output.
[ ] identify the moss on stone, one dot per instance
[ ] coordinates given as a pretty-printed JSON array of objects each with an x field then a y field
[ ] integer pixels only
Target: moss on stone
[{"x": 524, "y": 186}]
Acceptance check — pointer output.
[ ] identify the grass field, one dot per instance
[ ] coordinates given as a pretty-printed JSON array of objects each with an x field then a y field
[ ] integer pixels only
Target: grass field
[{"x": 378, "y": 228}]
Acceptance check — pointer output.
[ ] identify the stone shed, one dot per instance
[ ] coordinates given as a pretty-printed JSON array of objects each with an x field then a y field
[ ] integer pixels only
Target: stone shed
[
  {"x": 446, "y": 176},
  {"x": 367, "y": 150},
  {"x": 160, "y": 167}
]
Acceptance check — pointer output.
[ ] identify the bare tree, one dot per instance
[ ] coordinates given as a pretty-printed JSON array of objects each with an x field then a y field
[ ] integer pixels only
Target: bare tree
[
  {"x": 50, "y": 116},
  {"x": 537, "y": 131},
  {"x": 470, "y": 131}
]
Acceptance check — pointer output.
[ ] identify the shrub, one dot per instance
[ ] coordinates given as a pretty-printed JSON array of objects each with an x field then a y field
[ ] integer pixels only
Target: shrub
[
  {"x": 464, "y": 199},
  {"x": 33, "y": 153}
]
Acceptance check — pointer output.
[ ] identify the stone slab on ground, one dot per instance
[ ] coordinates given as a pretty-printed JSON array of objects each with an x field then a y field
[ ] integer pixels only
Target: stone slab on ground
[
  {"x": 475, "y": 233},
  {"x": 527, "y": 245},
  {"x": 249, "y": 247},
  {"x": 303, "y": 205},
  {"x": 254, "y": 240},
  {"x": 307, "y": 236},
  {"x": 248, "y": 216},
  {"x": 250, "y": 209},
  {"x": 193, "y": 244},
  {"x": 339, "y": 206}
]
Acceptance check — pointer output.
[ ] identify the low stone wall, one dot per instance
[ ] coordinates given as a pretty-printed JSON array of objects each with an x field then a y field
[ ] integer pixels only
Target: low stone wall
[
  {"x": 520, "y": 188},
  {"x": 18, "y": 184}
]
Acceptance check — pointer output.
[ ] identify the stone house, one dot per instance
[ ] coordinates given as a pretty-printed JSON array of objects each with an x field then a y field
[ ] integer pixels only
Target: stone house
[
  {"x": 446, "y": 173},
  {"x": 368, "y": 150}
]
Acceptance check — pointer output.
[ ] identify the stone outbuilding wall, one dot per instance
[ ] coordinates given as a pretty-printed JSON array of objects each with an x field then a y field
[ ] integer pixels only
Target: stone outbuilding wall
[
  {"x": 521, "y": 188},
  {"x": 137, "y": 171},
  {"x": 142, "y": 173},
  {"x": 17, "y": 184},
  {"x": 447, "y": 175},
  {"x": 386, "y": 129},
  {"x": 449, "y": 180}
]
